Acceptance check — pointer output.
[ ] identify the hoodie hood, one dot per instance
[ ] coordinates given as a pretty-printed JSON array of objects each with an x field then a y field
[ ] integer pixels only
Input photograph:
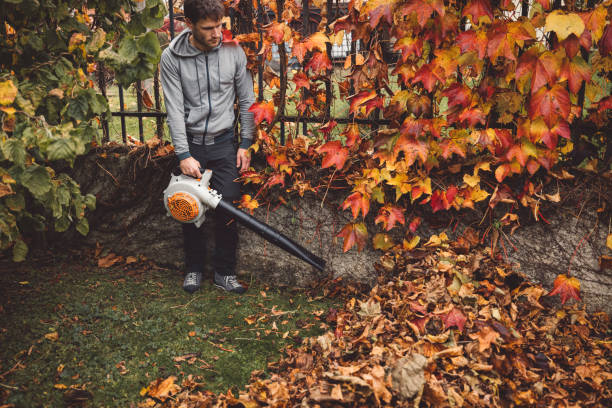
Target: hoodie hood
[{"x": 181, "y": 47}]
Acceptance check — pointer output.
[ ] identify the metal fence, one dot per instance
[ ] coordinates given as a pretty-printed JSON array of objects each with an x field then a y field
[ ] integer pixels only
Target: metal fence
[{"x": 241, "y": 22}]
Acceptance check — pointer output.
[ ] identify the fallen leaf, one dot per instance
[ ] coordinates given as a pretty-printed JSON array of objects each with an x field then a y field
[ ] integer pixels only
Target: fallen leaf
[{"x": 566, "y": 287}]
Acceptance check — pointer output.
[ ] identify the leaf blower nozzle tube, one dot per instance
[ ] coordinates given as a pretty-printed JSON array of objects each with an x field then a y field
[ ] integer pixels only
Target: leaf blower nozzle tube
[{"x": 271, "y": 235}]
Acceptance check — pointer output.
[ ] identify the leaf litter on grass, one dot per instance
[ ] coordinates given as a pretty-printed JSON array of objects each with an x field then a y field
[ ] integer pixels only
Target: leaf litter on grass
[
  {"x": 80, "y": 333},
  {"x": 446, "y": 326}
]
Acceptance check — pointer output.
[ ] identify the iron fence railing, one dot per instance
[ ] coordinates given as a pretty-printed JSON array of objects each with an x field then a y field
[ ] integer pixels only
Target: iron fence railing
[{"x": 241, "y": 22}]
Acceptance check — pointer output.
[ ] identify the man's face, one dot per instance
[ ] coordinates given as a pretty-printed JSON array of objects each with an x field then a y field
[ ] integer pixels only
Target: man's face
[{"x": 206, "y": 33}]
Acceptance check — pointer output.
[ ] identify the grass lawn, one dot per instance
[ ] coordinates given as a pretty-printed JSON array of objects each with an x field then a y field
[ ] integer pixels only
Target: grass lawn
[{"x": 111, "y": 331}]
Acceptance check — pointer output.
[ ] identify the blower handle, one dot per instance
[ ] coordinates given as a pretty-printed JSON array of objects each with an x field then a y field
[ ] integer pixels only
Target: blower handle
[{"x": 206, "y": 174}]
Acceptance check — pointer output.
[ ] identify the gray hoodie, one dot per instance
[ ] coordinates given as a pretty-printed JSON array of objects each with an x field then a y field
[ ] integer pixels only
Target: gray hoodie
[{"x": 200, "y": 89}]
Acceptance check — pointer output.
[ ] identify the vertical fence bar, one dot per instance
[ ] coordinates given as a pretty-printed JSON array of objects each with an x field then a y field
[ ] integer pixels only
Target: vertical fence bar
[
  {"x": 171, "y": 17},
  {"x": 305, "y": 33},
  {"x": 159, "y": 123},
  {"x": 139, "y": 107},
  {"x": 102, "y": 86},
  {"x": 121, "y": 109},
  {"x": 259, "y": 21},
  {"x": 328, "y": 50}
]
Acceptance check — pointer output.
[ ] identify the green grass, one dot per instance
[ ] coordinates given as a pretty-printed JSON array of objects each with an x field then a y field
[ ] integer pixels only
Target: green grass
[{"x": 120, "y": 328}]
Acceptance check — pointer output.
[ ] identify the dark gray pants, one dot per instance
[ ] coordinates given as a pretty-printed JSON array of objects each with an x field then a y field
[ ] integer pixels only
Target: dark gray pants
[{"x": 221, "y": 159}]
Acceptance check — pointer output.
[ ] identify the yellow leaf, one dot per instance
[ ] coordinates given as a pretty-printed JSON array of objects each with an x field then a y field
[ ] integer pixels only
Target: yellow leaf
[
  {"x": 569, "y": 146},
  {"x": 24, "y": 283},
  {"x": 482, "y": 166},
  {"x": 609, "y": 241},
  {"x": 8, "y": 92},
  {"x": 8, "y": 110},
  {"x": 478, "y": 195},
  {"x": 564, "y": 24},
  {"x": 471, "y": 181},
  {"x": 52, "y": 336},
  {"x": 143, "y": 391},
  {"x": 410, "y": 245},
  {"x": 60, "y": 386},
  {"x": 436, "y": 240}
]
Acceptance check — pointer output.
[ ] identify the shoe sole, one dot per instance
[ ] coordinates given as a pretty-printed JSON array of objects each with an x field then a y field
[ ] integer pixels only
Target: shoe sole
[{"x": 230, "y": 291}]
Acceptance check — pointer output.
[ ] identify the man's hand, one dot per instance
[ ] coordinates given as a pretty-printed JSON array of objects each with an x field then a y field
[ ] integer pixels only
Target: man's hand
[
  {"x": 243, "y": 160},
  {"x": 191, "y": 167}
]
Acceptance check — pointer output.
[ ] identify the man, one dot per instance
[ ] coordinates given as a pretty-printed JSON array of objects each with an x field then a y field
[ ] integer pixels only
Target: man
[{"x": 201, "y": 77}]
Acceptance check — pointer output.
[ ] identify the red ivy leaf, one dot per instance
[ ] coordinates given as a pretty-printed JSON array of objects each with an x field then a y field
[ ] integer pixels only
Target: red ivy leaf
[
  {"x": 575, "y": 71},
  {"x": 605, "y": 43},
  {"x": 566, "y": 287},
  {"x": 477, "y": 9},
  {"x": 326, "y": 128},
  {"x": 335, "y": 154},
  {"x": 353, "y": 233},
  {"x": 357, "y": 202},
  {"x": 352, "y": 134},
  {"x": 359, "y": 99},
  {"x": 301, "y": 81},
  {"x": 427, "y": 77},
  {"x": 541, "y": 67},
  {"x": 412, "y": 148},
  {"x": 423, "y": 9},
  {"x": 458, "y": 94},
  {"x": 550, "y": 104},
  {"x": 454, "y": 318},
  {"x": 414, "y": 224},
  {"x": 389, "y": 215},
  {"x": 319, "y": 63},
  {"x": 262, "y": 111},
  {"x": 409, "y": 46},
  {"x": 471, "y": 40}
]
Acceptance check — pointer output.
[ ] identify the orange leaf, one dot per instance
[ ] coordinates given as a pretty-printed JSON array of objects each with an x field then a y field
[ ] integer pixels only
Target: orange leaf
[
  {"x": 477, "y": 9},
  {"x": 357, "y": 202},
  {"x": 389, "y": 215},
  {"x": 262, "y": 111},
  {"x": 352, "y": 134},
  {"x": 359, "y": 99},
  {"x": 301, "y": 81},
  {"x": 550, "y": 104},
  {"x": 319, "y": 63},
  {"x": 335, "y": 154},
  {"x": 485, "y": 337},
  {"x": 162, "y": 389},
  {"x": 354, "y": 233},
  {"x": 542, "y": 68},
  {"x": 566, "y": 287},
  {"x": 248, "y": 203}
]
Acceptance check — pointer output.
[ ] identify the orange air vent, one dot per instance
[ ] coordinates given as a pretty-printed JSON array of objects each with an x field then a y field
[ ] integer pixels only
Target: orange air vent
[{"x": 183, "y": 207}]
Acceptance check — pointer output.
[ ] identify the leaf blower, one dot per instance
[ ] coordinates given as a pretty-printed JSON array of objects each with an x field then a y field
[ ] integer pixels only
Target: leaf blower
[{"x": 187, "y": 199}]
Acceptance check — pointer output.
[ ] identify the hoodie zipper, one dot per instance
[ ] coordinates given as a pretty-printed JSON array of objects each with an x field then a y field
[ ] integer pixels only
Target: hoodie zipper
[{"x": 208, "y": 92}]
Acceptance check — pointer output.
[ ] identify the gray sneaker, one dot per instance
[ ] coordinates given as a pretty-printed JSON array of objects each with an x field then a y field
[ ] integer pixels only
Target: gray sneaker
[
  {"x": 192, "y": 281},
  {"x": 228, "y": 283}
]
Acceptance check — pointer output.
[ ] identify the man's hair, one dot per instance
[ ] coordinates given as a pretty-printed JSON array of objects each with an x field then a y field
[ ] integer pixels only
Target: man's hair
[{"x": 196, "y": 10}]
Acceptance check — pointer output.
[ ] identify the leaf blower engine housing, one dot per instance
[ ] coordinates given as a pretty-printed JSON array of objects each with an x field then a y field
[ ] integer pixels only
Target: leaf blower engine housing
[{"x": 187, "y": 199}]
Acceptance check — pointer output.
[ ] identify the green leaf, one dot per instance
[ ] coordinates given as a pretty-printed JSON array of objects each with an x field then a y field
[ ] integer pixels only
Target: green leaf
[
  {"x": 83, "y": 226},
  {"x": 148, "y": 44},
  {"x": 36, "y": 179},
  {"x": 14, "y": 150},
  {"x": 20, "y": 251},
  {"x": 90, "y": 201},
  {"x": 128, "y": 49},
  {"x": 62, "y": 223},
  {"x": 15, "y": 202},
  {"x": 78, "y": 108},
  {"x": 62, "y": 148}
]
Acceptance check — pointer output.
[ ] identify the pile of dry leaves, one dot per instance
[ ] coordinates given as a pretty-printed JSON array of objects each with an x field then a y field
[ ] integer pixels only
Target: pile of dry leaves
[{"x": 445, "y": 326}]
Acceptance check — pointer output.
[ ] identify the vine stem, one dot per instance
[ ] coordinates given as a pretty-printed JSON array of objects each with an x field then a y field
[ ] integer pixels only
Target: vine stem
[
  {"x": 328, "y": 184},
  {"x": 569, "y": 266}
]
